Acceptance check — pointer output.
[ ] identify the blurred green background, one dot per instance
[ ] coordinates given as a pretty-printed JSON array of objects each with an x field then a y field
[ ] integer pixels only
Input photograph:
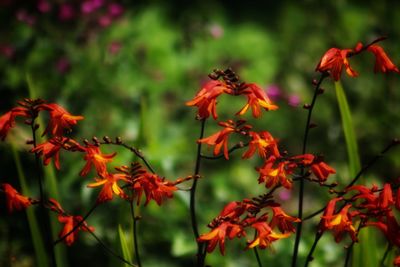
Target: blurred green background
[{"x": 129, "y": 67}]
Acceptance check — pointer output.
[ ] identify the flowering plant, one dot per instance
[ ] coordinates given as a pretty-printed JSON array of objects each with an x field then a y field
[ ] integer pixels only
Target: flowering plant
[{"x": 262, "y": 219}]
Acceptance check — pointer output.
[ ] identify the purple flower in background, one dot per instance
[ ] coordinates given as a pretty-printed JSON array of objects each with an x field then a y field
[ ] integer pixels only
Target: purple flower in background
[
  {"x": 216, "y": 31},
  {"x": 63, "y": 65},
  {"x": 114, "y": 47},
  {"x": 293, "y": 100},
  {"x": 274, "y": 92},
  {"x": 66, "y": 12},
  {"x": 97, "y": 3},
  {"x": 115, "y": 10}
]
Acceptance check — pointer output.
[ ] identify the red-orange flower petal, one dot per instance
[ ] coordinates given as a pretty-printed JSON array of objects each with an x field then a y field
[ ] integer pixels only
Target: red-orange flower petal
[
  {"x": 322, "y": 170},
  {"x": 60, "y": 119},
  {"x": 256, "y": 99},
  {"x": 206, "y": 98},
  {"x": 264, "y": 142},
  {"x": 154, "y": 187},
  {"x": 382, "y": 61},
  {"x": 95, "y": 158},
  {"x": 333, "y": 61},
  {"x": 14, "y": 200},
  {"x": 69, "y": 223},
  {"x": 265, "y": 236},
  {"x": 7, "y": 120},
  {"x": 110, "y": 187}
]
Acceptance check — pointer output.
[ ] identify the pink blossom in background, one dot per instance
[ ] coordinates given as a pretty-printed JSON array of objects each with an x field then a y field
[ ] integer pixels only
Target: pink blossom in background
[
  {"x": 87, "y": 7},
  {"x": 274, "y": 92},
  {"x": 285, "y": 194},
  {"x": 23, "y": 16},
  {"x": 66, "y": 12},
  {"x": 97, "y": 3},
  {"x": 115, "y": 10},
  {"x": 63, "y": 65},
  {"x": 7, "y": 51},
  {"x": 114, "y": 47},
  {"x": 294, "y": 100},
  {"x": 104, "y": 21},
  {"x": 216, "y": 31},
  {"x": 43, "y": 6}
]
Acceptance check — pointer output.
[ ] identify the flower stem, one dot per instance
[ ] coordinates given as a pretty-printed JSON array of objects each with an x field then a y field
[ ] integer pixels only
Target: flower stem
[
  {"x": 389, "y": 247},
  {"x": 200, "y": 255},
  {"x": 135, "y": 240},
  {"x": 301, "y": 187},
  {"x": 310, "y": 257}
]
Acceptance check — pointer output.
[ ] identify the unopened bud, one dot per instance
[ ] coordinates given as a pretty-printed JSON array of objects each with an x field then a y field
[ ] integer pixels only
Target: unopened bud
[
  {"x": 312, "y": 125},
  {"x": 314, "y": 82},
  {"x": 118, "y": 140},
  {"x": 306, "y": 106},
  {"x": 321, "y": 91},
  {"x": 107, "y": 139}
]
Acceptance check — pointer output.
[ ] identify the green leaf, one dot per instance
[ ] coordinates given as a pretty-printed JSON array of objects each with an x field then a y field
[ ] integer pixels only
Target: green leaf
[
  {"x": 37, "y": 237},
  {"x": 125, "y": 247},
  {"x": 365, "y": 252}
]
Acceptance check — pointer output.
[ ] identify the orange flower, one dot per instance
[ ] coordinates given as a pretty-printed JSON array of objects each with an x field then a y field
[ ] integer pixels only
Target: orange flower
[
  {"x": 264, "y": 142},
  {"x": 7, "y": 121},
  {"x": 60, "y": 119},
  {"x": 340, "y": 222},
  {"x": 206, "y": 98},
  {"x": 265, "y": 235},
  {"x": 273, "y": 172},
  {"x": 396, "y": 261},
  {"x": 110, "y": 187},
  {"x": 220, "y": 139},
  {"x": 95, "y": 158},
  {"x": 218, "y": 235},
  {"x": 382, "y": 61},
  {"x": 256, "y": 98},
  {"x": 333, "y": 61},
  {"x": 14, "y": 200},
  {"x": 282, "y": 220},
  {"x": 69, "y": 223},
  {"x": 389, "y": 227},
  {"x": 322, "y": 170},
  {"x": 51, "y": 149},
  {"x": 153, "y": 187}
]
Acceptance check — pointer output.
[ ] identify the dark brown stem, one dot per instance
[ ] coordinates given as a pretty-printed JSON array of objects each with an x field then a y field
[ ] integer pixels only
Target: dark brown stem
[
  {"x": 235, "y": 147},
  {"x": 135, "y": 240},
  {"x": 301, "y": 186},
  {"x": 200, "y": 247}
]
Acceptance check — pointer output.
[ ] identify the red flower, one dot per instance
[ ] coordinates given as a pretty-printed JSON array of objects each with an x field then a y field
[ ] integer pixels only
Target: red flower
[
  {"x": 95, "y": 158},
  {"x": 265, "y": 235},
  {"x": 396, "y": 261},
  {"x": 7, "y": 121},
  {"x": 382, "y": 61},
  {"x": 264, "y": 142},
  {"x": 153, "y": 187},
  {"x": 60, "y": 119},
  {"x": 322, "y": 170},
  {"x": 110, "y": 187},
  {"x": 256, "y": 98},
  {"x": 220, "y": 139},
  {"x": 51, "y": 149},
  {"x": 333, "y": 61},
  {"x": 274, "y": 171},
  {"x": 206, "y": 98},
  {"x": 69, "y": 223},
  {"x": 14, "y": 200},
  {"x": 390, "y": 228},
  {"x": 283, "y": 221},
  {"x": 340, "y": 222},
  {"x": 218, "y": 235}
]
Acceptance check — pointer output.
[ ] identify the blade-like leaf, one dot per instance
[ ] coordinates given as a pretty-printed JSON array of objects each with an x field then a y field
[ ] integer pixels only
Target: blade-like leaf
[
  {"x": 37, "y": 237},
  {"x": 125, "y": 248},
  {"x": 364, "y": 252}
]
